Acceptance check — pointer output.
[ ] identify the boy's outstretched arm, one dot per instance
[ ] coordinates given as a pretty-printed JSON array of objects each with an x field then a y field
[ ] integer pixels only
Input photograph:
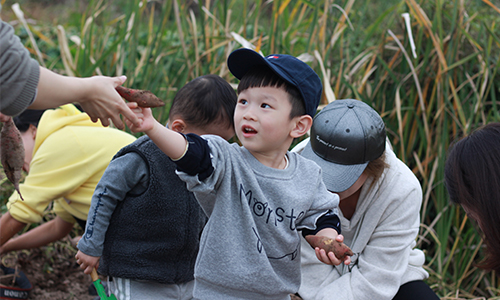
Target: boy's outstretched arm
[
  {"x": 330, "y": 258},
  {"x": 172, "y": 143}
]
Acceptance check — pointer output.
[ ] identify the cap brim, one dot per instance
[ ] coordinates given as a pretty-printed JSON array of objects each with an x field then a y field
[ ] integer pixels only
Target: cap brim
[
  {"x": 337, "y": 177},
  {"x": 242, "y": 60}
]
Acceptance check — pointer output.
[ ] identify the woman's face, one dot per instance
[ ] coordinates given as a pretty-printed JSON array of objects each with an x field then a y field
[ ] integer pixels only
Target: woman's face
[
  {"x": 354, "y": 188},
  {"x": 28, "y": 138}
]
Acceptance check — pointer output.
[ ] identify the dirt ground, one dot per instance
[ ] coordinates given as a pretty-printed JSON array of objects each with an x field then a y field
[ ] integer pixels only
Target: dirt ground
[{"x": 53, "y": 272}]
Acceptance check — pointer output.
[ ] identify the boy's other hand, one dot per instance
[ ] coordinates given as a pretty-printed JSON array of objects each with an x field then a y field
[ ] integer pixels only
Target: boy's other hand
[
  {"x": 87, "y": 262},
  {"x": 330, "y": 258},
  {"x": 323, "y": 240}
]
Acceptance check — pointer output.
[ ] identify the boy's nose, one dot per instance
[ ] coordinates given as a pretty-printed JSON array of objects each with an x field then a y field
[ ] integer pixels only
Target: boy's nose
[{"x": 249, "y": 114}]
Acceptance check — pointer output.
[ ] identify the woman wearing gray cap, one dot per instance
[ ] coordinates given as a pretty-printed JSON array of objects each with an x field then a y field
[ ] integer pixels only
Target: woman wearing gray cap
[{"x": 380, "y": 201}]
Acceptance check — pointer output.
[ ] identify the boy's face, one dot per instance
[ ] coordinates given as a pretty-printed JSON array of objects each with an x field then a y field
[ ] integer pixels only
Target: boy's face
[{"x": 262, "y": 119}]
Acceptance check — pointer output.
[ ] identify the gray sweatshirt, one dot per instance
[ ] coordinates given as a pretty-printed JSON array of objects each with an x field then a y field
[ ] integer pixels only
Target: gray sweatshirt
[
  {"x": 381, "y": 233},
  {"x": 250, "y": 247},
  {"x": 19, "y": 73}
]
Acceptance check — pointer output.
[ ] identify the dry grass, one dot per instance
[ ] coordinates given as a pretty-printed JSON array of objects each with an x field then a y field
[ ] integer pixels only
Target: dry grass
[{"x": 444, "y": 88}]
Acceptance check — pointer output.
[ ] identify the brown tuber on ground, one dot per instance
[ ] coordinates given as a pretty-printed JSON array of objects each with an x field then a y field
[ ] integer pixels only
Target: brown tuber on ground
[
  {"x": 339, "y": 249},
  {"x": 142, "y": 97},
  {"x": 12, "y": 153}
]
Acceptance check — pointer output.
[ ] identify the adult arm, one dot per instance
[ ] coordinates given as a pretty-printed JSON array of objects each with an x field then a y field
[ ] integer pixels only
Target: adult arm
[
  {"x": 41, "y": 235},
  {"x": 96, "y": 95},
  {"x": 24, "y": 83},
  {"x": 19, "y": 73}
]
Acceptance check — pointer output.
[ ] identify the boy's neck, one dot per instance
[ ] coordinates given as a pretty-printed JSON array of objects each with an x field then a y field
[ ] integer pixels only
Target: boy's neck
[{"x": 276, "y": 160}]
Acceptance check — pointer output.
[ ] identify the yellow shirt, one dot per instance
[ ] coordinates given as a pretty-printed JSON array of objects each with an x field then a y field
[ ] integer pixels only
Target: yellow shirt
[{"x": 69, "y": 157}]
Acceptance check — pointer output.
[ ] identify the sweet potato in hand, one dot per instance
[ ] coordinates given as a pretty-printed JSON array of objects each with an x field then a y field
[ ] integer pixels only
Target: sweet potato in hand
[
  {"x": 329, "y": 245},
  {"x": 12, "y": 153},
  {"x": 141, "y": 97}
]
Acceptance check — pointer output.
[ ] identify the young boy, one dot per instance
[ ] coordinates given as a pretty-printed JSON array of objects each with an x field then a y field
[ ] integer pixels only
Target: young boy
[
  {"x": 257, "y": 196},
  {"x": 143, "y": 223}
]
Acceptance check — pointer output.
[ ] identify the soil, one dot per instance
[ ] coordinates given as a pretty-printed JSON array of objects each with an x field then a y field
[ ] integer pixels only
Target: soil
[{"x": 53, "y": 272}]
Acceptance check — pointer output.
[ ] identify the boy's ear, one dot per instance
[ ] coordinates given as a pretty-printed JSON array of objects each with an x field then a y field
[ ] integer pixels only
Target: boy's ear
[
  {"x": 33, "y": 130},
  {"x": 302, "y": 126},
  {"x": 178, "y": 125}
]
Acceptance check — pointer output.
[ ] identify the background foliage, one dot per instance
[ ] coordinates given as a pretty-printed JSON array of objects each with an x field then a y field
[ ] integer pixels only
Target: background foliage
[{"x": 428, "y": 95}]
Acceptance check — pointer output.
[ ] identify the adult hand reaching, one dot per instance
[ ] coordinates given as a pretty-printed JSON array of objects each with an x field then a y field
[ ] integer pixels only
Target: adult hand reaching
[
  {"x": 96, "y": 95},
  {"x": 22, "y": 81}
]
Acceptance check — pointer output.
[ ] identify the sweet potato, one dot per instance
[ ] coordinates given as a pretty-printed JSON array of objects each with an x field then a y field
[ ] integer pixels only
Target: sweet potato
[
  {"x": 339, "y": 249},
  {"x": 12, "y": 153},
  {"x": 142, "y": 97}
]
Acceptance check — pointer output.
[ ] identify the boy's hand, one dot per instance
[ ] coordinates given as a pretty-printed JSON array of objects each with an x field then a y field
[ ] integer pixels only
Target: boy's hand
[
  {"x": 329, "y": 247},
  {"x": 330, "y": 258},
  {"x": 146, "y": 119},
  {"x": 172, "y": 143},
  {"x": 87, "y": 262}
]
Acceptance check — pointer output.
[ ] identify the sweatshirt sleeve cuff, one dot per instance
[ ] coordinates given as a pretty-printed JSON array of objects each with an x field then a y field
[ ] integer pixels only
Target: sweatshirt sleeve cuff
[
  {"x": 328, "y": 220},
  {"x": 197, "y": 159}
]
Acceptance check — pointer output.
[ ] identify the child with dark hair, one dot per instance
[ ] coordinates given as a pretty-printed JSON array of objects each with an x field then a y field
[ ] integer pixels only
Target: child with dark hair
[
  {"x": 65, "y": 156},
  {"x": 257, "y": 196},
  {"x": 472, "y": 177},
  {"x": 144, "y": 225}
]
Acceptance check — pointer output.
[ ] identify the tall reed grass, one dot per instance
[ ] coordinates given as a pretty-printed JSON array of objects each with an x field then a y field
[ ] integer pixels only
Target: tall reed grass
[{"x": 432, "y": 74}]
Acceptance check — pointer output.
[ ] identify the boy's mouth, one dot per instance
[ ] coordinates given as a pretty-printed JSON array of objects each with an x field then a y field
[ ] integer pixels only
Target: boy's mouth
[{"x": 248, "y": 131}]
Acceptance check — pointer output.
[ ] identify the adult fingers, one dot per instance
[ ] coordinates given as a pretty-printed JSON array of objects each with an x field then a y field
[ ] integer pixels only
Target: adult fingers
[{"x": 125, "y": 108}]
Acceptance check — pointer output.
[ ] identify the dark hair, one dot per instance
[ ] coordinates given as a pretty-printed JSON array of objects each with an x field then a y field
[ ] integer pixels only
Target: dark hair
[
  {"x": 262, "y": 76},
  {"x": 472, "y": 178},
  {"x": 27, "y": 118},
  {"x": 204, "y": 100}
]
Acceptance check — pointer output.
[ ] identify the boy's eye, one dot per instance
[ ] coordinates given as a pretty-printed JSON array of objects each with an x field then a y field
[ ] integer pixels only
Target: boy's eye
[
  {"x": 265, "y": 105},
  {"x": 243, "y": 101}
]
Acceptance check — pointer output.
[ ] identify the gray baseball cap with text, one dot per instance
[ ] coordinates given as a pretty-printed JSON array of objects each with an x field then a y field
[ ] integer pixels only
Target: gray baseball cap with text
[{"x": 345, "y": 136}]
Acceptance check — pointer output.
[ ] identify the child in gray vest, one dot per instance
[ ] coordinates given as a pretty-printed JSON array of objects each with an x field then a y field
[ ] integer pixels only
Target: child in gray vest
[
  {"x": 143, "y": 226},
  {"x": 257, "y": 196}
]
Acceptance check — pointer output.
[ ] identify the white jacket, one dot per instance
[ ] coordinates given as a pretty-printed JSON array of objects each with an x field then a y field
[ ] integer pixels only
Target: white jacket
[{"x": 381, "y": 233}]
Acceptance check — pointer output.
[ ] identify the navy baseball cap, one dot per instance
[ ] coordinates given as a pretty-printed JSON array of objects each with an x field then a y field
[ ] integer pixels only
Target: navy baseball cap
[
  {"x": 345, "y": 136},
  {"x": 289, "y": 68}
]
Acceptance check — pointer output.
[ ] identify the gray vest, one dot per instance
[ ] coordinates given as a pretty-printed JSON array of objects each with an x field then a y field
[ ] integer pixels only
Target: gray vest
[{"x": 155, "y": 235}]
